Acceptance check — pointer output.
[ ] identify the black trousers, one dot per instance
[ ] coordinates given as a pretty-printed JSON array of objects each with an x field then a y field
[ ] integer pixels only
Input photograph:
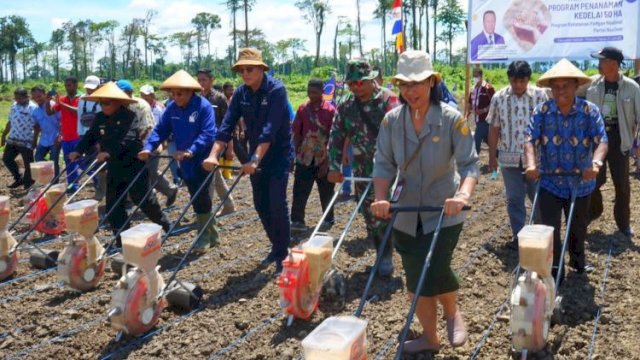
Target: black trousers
[
  {"x": 551, "y": 208},
  {"x": 11, "y": 151},
  {"x": 202, "y": 203},
  {"x": 270, "y": 201},
  {"x": 304, "y": 177},
  {"x": 119, "y": 176},
  {"x": 618, "y": 164}
]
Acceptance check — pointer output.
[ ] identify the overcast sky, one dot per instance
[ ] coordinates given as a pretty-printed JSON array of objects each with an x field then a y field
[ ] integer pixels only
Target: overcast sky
[{"x": 278, "y": 19}]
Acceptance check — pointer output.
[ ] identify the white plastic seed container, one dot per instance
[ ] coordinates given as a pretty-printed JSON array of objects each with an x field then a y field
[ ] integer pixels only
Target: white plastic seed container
[
  {"x": 55, "y": 192},
  {"x": 5, "y": 212},
  {"x": 535, "y": 248},
  {"x": 318, "y": 251},
  {"x": 337, "y": 338},
  {"x": 141, "y": 246},
  {"x": 82, "y": 217},
  {"x": 42, "y": 172}
]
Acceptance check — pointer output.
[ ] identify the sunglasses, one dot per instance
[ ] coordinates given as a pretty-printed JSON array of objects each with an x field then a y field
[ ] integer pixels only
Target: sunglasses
[
  {"x": 106, "y": 103},
  {"x": 246, "y": 69},
  {"x": 357, "y": 83}
]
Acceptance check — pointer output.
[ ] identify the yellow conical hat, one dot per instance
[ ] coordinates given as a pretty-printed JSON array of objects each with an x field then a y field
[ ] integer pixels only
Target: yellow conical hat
[
  {"x": 561, "y": 70},
  {"x": 181, "y": 80},
  {"x": 109, "y": 91}
]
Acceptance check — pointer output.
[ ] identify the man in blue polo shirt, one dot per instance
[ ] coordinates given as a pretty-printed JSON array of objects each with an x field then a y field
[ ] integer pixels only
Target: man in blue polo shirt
[
  {"x": 262, "y": 102},
  {"x": 566, "y": 134},
  {"x": 191, "y": 120},
  {"x": 48, "y": 127}
]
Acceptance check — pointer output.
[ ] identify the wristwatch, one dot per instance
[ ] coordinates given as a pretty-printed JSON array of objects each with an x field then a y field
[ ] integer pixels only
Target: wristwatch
[
  {"x": 255, "y": 158},
  {"x": 598, "y": 163}
]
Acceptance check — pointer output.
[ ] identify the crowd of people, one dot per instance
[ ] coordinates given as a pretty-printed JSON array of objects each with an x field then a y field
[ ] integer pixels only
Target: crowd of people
[{"x": 560, "y": 136}]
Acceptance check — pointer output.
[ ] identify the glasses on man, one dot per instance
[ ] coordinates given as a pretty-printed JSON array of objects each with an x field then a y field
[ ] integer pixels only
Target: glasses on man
[
  {"x": 106, "y": 103},
  {"x": 246, "y": 69}
]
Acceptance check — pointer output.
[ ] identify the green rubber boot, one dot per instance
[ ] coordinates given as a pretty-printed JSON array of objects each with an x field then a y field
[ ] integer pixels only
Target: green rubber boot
[{"x": 210, "y": 236}]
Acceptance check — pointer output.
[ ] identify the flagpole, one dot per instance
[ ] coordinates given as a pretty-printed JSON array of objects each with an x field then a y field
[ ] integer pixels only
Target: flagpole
[
  {"x": 467, "y": 67},
  {"x": 404, "y": 34}
]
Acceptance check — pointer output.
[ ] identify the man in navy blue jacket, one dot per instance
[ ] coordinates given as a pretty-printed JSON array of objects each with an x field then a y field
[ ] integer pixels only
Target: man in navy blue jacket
[
  {"x": 191, "y": 120},
  {"x": 262, "y": 102}
]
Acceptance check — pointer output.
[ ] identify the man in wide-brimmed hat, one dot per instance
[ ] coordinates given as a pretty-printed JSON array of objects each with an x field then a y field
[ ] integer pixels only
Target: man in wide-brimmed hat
[
  {"x": 358, "y": 121},
  {"x": 618, "y": 97},
  {"x": 191, "y": 121},
  {"x": 119, "y": 134},
  {"x": 562, "y": 134},
  {"x": 262, "y": 102}
]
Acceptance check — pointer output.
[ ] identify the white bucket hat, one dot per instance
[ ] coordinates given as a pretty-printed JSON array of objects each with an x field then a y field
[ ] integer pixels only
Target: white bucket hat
[{"x": 414, "y": 66}]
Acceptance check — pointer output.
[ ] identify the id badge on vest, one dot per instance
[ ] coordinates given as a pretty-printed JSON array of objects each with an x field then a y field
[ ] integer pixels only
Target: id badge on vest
[{"x": 397, "y": 191}]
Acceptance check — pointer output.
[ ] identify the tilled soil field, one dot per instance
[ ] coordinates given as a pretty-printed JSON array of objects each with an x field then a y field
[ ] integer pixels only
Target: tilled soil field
[{"x": 239, "y": 317}]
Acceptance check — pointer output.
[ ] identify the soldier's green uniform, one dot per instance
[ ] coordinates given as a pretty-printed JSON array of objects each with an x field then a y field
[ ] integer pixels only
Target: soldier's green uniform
[{"x": 360, "y": 122}]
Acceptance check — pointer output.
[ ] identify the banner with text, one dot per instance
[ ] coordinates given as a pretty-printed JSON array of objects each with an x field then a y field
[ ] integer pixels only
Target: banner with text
[{"x": 502, "y": 30}]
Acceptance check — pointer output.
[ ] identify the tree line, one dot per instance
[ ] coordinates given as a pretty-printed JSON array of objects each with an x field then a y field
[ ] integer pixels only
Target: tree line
[{"x": 113, "y": 50}]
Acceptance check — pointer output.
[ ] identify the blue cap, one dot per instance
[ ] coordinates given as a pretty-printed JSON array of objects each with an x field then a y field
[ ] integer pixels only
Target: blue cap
[{"x": 124, "y": 85}]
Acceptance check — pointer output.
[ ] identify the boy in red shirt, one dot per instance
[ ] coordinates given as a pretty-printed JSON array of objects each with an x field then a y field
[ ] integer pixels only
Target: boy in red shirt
[{"x": 68, "y": 108}]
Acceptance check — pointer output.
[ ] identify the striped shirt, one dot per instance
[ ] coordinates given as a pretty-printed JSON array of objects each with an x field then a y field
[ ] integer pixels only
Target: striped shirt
[{"x": 511, "y": 114}]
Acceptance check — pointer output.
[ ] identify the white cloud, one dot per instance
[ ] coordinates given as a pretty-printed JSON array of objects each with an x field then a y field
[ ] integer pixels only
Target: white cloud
[{"x": 56, "y": 23}]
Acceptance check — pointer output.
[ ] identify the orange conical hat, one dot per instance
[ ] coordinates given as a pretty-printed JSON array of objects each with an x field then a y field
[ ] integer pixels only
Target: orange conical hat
[
  {"x": 109, "y": 91},
  {"x": 181, "y": 80},
  {"x": 561, "y": 70}
]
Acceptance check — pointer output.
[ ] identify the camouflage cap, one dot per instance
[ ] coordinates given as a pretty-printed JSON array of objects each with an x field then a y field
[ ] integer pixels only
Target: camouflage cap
[{"x": 359, "y": 69}]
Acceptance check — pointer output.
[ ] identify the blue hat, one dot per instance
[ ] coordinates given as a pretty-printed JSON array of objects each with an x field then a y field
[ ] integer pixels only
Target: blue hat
[{"x": 124, "y": 85}]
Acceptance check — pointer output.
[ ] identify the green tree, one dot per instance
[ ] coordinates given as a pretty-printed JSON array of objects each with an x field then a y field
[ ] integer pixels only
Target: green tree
[
  {"x": 205, "y": 23},
  {"x": 57, "y": 42},
  {"x": 233, "y": 6},
  {"x": 381, "y": 11},
  {"x": 38, "y": 49},
  {"x": 351, "y": 34},
  {"x": 414, "y": 25},
  {"x": 434, "y": 6},
  {"x": 129, "y": 38},
  {"x": 13, "y": 31},
  {"x": 451, "y": 17},
  {"x": 359, "y": 29},
  {"x": 315, "y": 12},
  {"x": 26, "y": 44},
  {"x": 146, "y": 35},
  {"x": 184, "y": 40},
  {"x": 73, "y": 46},
  {"x": 424, "y": 4},
  {"x": 247, "y": 5},
  {"x": 110, "y": 37},
  {"x": 341, "y": 21}
]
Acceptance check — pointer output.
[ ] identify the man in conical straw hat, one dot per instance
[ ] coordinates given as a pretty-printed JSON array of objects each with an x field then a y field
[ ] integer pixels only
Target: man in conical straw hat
[
  {"x": 262, "y": 102},
  {"x": 191, "y": 121},
  {"x": 119, "y": 133},
  {"x": 562, "y": 134}
]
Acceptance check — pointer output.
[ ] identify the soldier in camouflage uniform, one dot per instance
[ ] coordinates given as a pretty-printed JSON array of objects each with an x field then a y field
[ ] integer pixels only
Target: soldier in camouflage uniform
[{"x": 358, "y": 120}]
